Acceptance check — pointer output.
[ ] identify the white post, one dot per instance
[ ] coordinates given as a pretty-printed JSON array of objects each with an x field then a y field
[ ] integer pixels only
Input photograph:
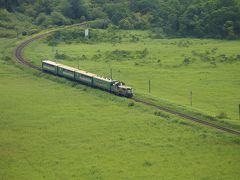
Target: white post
[{"x": 86, "y": 33}]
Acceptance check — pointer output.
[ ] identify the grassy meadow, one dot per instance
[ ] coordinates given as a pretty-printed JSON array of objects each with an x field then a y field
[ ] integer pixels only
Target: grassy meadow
[
  {"x": 208, "y": 68},
  {"x": 51, "y": 128}
]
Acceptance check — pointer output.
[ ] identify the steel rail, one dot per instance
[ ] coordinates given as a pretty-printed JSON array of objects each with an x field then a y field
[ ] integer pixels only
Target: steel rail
[{"x": 188, "y": 117}]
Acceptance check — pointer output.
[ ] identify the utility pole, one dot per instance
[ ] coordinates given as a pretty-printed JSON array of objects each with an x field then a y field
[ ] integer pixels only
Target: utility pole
[
  {"x": 56, "y": 55},
  {"x": 149, "y": 86},
  {"x": 191, "y": 94},
  {"x": 111, "y": 73},
  {"x": 239, "y": 111}
]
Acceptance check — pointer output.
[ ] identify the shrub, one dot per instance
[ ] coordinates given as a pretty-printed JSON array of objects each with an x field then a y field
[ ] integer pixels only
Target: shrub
[
  {"x": 6, "y": 60},
  {"x": 100, "y": 23},
  {"x": 131, "y": 104},
  {"x": 213, "y": 63},
  {"x": 5, "y": 33},
  {"x": 134, "y": 38},
  {"x": 118, "y": 54},
  {"x": 157, "y": 33},
  {"x": 184, "y": 44},
  {"x": 60, "y": 56},
  {"x": 145, "y": 52},
  {"x": 33, "y": 31},
  {"x": 161, "y": 114},
  {"x": 222, "y": 115},
  {"x": 186, "y": 61},
  {"x": 214, "y": 50},
  {"x": 147, "y": 164},
  {"x": 238, "y": 57},
  {"x": 142, "y": 54},
  {"x": 126, "y": 24},
  {"x": 24, "y": 33},
  {"x": 59, "y": 19}
]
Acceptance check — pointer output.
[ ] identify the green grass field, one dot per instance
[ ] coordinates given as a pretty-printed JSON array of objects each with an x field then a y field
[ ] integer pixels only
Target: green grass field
[
  {"x": 208, "y": 68},
  {"x": 51, "y": 128}
]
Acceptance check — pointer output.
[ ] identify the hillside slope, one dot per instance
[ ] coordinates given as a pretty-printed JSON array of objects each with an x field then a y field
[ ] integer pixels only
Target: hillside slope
[{"x": 51, "y": 128}]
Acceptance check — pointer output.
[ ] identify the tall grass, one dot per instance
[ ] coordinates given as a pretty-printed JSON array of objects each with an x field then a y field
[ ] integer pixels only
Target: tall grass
[{"x": 52, "y": 130}]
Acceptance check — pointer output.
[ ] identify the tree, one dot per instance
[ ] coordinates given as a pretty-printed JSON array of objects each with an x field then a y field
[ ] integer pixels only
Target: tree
[
  {"x": 43, "y": 20},
  {"x": 73, "y": 9},
  {"x": 43, "y": 6},
  {"x": 10, "y": 5},
  {"x": 126, "y": 24},
  {"x": 143, "y": 6},
  {"x": 117, "y": 12},
  {"x": 59, "y": 19},
  {"x": 194, "y": 18},
  {"x": 229, "y": 30}
]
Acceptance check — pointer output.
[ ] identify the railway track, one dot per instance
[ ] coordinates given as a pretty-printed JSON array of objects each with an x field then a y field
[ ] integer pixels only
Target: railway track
[
  {"x": 18, "y": 53},
  {"x": 188, "y": 117}
]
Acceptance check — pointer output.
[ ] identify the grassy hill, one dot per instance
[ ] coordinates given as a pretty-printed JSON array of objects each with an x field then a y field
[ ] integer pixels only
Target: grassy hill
[
  {"x": 52, "y": 130},
  {"x": 208, "y": 68}
]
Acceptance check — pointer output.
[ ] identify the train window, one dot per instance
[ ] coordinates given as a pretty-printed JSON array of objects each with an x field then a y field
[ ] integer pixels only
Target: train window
[{"x": 49, "y": 65}]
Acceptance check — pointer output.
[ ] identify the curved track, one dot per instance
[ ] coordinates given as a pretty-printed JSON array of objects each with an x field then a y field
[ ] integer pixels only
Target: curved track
[{"x": 18, "y": 53}]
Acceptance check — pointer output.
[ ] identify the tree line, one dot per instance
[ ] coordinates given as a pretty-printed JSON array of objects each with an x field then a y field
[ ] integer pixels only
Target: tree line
[{"x": 177, "y": 18}]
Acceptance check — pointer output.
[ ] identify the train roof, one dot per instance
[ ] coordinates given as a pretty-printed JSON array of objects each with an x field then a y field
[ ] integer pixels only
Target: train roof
[
  {"x": 85, "y": 73},
  {"x": 103, "y": 78},
  {"x": 50, "y": 62},
  {"x": 67, "y": 67},
  {"x": 78, "y": 70}
]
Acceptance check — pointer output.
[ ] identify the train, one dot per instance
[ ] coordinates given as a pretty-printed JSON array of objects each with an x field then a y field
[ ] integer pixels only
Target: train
[{"x": 87, "y": 78}]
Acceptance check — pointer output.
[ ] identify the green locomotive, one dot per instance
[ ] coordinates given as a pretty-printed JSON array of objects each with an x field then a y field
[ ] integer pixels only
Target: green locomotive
[{"x": 90, "y": 79}]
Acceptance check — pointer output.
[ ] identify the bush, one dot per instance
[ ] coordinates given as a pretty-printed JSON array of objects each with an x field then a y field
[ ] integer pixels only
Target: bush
[
  {"x": 4, "y": 33},
  {"x": 43, "y": 20},
  {"x": 33, "y": 31},
  {"x": 134, "y": 38},
  {"x": 126, "y": 24},
  {"x": 131, "y": 104},
  {"x": 118, "y": 54},
  {"x": 24, "y": 33},
  {"x": 161, "y": 114},
  {"x": 6, "y": 60},
  {"x": 186, "y": 61},
  {"x": 145, "y": 52},
  {"x": 147, "y": 164},
  {"x": 100, "y": 23},
  {"x": 60, "y": 56},
  {"x": 222, "y": 115},
  {"x": 157, "y": 33},
  {"x": 59, "y": 19}
]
